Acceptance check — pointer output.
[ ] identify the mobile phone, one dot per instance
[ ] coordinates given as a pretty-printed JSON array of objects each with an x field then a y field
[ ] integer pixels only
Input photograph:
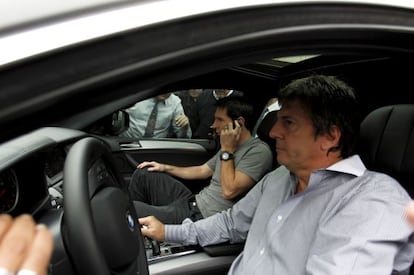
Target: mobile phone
[{"x": 239, "y": 120}]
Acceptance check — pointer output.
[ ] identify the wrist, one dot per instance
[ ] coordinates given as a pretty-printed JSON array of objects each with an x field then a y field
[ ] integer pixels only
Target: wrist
[
  {"x": 226, "y": 156},
  {"x": 231, "y": 150}
]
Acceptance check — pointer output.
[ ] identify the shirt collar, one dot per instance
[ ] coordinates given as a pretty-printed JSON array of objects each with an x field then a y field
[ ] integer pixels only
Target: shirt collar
[
  {"x": 352, "y": 165},
  {"x": 164, "y": 101}
]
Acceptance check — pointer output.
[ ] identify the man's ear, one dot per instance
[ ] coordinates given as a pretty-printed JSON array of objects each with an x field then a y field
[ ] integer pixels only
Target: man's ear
[
  {"x": 241, "y": 121},
  {"x": 332, "y": 138}
]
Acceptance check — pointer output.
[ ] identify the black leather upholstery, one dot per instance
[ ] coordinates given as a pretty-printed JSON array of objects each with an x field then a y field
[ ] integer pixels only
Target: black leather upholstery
[{"x": 387, "y": 143}]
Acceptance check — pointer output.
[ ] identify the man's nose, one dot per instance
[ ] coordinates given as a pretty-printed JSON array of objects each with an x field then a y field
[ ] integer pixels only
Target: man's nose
[{"x": 274, "y": 132}]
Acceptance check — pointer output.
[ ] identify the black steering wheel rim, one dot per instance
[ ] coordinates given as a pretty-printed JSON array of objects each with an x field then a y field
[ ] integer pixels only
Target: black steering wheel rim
[{"x": 99, "y": 219}]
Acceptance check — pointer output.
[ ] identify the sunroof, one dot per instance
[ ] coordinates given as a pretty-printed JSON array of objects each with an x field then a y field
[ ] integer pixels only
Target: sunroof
[
  {"x": 295, "y": 59},
  {"x": 280, "y": 62}
]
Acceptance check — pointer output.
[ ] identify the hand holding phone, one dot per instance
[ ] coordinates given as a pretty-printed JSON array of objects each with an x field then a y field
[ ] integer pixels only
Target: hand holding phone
[{"x": 240, "y": 121}]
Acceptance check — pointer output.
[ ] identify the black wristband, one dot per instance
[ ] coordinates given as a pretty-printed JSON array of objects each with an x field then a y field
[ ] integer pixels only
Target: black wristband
[{"x": 225, "y": 155}]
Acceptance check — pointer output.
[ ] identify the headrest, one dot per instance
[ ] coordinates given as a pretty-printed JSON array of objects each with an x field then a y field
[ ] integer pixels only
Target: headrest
[
  {"x": 263, "y": 133},
  {"x": 387, "y": 143},
  {"x": 266, "y": 125}
]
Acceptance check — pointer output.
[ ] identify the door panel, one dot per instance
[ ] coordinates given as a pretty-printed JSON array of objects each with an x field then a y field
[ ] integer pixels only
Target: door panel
[{"x": 180, "y": 152}]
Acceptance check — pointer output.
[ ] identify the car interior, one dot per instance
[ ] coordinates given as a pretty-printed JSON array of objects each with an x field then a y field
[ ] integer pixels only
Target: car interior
[
  {"x": 385, "y": 146},
  {"x": 63, "y": 160}
]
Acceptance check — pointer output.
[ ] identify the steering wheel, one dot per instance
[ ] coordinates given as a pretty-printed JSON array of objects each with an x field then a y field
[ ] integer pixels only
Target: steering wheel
[{"x": 100, "y": 225}]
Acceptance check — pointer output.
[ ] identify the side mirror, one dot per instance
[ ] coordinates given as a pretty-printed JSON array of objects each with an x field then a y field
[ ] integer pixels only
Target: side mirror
[{"x": 119, "y": 123}]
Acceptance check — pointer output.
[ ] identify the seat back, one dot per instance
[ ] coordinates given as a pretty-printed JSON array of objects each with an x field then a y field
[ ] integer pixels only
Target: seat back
[
  {"x": 387, "y": 143},
  {"x": 263, "y": 133}
]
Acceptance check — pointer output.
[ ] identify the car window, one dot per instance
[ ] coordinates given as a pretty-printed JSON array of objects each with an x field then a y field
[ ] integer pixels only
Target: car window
[
  {"x": 179, "y": 114},
  {"x": 158, "y": 117}
]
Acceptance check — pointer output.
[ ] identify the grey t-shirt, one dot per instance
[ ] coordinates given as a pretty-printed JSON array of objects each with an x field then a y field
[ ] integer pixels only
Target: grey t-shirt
[{"x": 252, "y": 158}]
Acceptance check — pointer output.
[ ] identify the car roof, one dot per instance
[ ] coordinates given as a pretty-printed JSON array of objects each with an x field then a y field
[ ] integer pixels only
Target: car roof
[
  {"x": 28, "y": 10},
  {"x": 78, "y": 21}
]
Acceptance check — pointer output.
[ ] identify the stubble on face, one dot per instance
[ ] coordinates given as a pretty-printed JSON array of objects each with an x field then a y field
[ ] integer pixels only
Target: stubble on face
[{"x": 297, "y": 146}]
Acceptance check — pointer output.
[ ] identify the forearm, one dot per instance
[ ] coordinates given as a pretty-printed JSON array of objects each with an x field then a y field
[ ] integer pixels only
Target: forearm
[
  {"x": 230, "y": 225},
  {"x": 234, "y": 183},
  {"x": 228, "y": 179},
  {"x": 180, "y": 233},
  {"x": 212, "y": 230},
  {"x": 189, "y": 172}
]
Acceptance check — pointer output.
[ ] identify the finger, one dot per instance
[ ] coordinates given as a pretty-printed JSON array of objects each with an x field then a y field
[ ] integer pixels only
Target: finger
[
  {"x": 154, "y": 167},
  {"x": 144, "y": 221},
  {"x": 144, "y": 164},
  {"x": 225, "y": 128},
  {"x": 16, "y": 243},
  {"x": 153, "y": 229},
  {"x": 238, "y": 128},
  {"x": 178, "y": 123},
  {"x": 182, "y": 124},
  {"x": 40, "y": 252},
  {"x": 5, "y": 223},
  {"x": 181, "y": 121},
  {"x": 145, "y": 231}
]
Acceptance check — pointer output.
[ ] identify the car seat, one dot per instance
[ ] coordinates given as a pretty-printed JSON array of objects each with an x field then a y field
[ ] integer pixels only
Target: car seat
[
  {"x": 387, "y": 144},
  {"x": 263, "y": 130}
]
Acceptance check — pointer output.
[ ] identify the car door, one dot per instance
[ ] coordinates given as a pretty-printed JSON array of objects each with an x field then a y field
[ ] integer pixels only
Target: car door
[{"x": 181, "y": 146}]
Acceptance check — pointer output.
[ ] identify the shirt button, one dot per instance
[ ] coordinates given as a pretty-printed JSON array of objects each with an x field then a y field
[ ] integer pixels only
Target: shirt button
[
  {"x": 262, "y": 251},
  {"x": 279, "y": 218}
]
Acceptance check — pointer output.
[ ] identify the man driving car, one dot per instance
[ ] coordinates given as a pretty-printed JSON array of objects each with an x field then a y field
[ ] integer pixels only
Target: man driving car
[{"x": 321, "y": 211}]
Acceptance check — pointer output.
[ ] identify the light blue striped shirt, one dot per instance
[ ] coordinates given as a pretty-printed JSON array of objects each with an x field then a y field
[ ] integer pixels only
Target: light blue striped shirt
[
  {"x": 349, "y": 220},
  {"x": 165, "y": 125}
]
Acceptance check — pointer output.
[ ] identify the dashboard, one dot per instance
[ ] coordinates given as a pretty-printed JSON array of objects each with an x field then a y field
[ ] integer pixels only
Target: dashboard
[
  {"x": 31, "y": 181},
  {"x": 9, "y": 191},
  {"x": 31, "y": 170},
  {"x": 23, "y": 188}
]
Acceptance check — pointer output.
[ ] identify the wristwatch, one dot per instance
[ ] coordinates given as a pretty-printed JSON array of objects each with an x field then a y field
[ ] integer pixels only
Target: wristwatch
[{"x": 226, "y": 155}]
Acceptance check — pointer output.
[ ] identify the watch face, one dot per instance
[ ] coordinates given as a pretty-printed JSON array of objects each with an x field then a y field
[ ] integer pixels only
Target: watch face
[{"x": 225, "y": 156}]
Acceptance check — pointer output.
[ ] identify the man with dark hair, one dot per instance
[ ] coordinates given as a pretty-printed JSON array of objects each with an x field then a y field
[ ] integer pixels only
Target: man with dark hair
[
  {"x": 201, "y": 108},
  {"x": 321, "y": 211},
  {"x": 241, "y": 161}
]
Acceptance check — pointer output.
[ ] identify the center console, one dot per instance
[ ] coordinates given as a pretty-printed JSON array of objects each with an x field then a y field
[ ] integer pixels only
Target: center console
[{"x": 161, "y": 251}]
